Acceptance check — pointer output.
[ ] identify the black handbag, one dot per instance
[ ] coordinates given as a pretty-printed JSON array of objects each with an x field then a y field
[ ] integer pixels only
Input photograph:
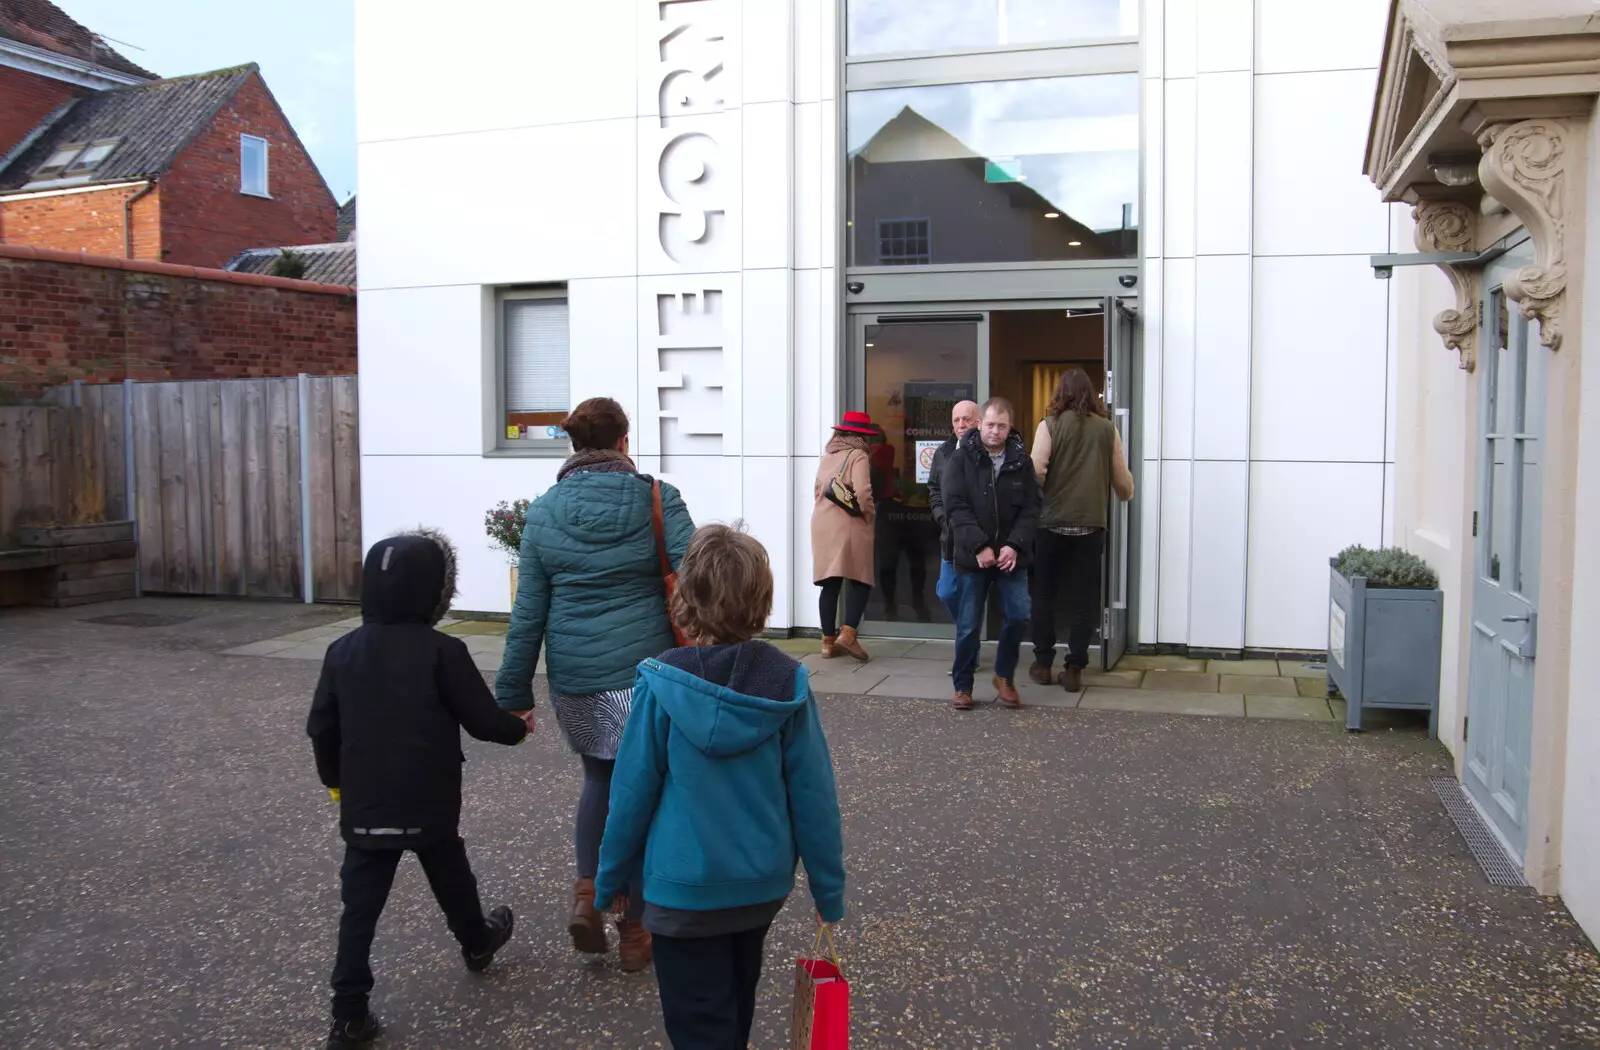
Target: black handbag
[{"x": 839, "y": 492}]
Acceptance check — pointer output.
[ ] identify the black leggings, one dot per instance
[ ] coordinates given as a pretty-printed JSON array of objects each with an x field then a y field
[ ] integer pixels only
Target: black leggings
[
  {"x": 855, "y": 603},
  {"x": 594, "y": 804}
]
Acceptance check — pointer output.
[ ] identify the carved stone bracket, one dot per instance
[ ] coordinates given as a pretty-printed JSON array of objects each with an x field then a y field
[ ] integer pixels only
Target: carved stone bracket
[
  {"x": 1524, "y": 167},
  {"x": 1451, "y": 226}
]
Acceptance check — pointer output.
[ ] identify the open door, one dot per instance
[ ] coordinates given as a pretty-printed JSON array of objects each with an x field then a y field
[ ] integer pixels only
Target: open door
[{"x": 1119, "y": 344}]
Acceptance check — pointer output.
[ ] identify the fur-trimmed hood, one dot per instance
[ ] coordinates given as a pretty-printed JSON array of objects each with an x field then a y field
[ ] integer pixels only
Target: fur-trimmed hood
[{"x": 409, "y": 577}]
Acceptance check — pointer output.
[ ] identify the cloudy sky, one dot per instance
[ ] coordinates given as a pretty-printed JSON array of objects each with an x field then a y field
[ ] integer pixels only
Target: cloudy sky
[{"x": 304, "y": 47}]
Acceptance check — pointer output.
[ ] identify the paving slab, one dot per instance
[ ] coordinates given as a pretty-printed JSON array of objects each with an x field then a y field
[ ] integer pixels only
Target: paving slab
[
  {"x": 481, "y": 643},
  {"x": 1049, "y": 696},
  {"x": 1302, "y": 669},
  {"x": 845, "y": 684},
  {"x": 1116, "y": 678},
  {"x": 1160, "y": 702},
  {"x": 303, "y": 651},
  {"x": 1139, "y": 662},
  {"x": 1256, "y": 684},
  {"x": 1263, "y": 668},
  {"x": 488, "y": 662},
  {"x": 943, "y": 652},
  {"x": 1297, "y": 708},
  {"x": 1180, "y": 681},
  {"x": 470, "y": 627},
  {"x": 1312, "y": 687},
  {"x": 888, "y": 648},
  {"x": 925, "y": 687}
]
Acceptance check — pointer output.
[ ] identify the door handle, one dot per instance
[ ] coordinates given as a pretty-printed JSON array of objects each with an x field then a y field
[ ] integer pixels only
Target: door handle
[{"x": 1524, "y": 618}]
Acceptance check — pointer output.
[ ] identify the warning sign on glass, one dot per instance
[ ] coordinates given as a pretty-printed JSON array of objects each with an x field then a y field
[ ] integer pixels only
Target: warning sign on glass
[{"x": 925, "y": 451}]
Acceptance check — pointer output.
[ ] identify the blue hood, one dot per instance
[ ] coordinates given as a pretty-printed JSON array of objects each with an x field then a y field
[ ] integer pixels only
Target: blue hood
[{"x": 718, "y": 720}]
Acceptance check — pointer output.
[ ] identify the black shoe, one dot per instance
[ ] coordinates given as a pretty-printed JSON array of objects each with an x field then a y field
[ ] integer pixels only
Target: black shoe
[
  {"x": 346, "y": 1034},
  {"x": 500, "y": 922}
]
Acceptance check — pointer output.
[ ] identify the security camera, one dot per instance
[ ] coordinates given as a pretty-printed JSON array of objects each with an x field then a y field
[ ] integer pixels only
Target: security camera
[
  {"x": 855, "y": 287},
  {"x": 1128, "y": 280},
  {"x": 1383, "y": 273}
]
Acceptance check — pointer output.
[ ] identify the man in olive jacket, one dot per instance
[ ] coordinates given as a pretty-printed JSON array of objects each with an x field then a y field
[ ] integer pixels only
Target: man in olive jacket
[
  {"x": 963, "y": 417},
  {"x": 991, "y": 503}
]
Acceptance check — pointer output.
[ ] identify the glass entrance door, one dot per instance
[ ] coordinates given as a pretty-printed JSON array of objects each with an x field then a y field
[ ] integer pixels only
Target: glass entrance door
[
  {"x": 1118, "y": 395},
  {"x": 916, "y": 367}
]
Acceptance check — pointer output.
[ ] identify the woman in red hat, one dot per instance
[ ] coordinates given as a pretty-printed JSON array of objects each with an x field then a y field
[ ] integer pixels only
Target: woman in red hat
[{"x": 842, "y": 531}]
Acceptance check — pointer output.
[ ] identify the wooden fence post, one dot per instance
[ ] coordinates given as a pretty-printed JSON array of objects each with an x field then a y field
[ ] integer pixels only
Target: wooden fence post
[
  {"x": 308, "y": 584},
  {"x": 130, "y": 468}
]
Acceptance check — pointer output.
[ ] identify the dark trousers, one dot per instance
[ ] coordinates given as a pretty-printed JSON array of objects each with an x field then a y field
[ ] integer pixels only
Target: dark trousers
[
  {"x": 708, "y": 988},
  {"x": 855, "y": 593},
  {"x": 589, "y": 826},
  {"x": 1067, "y": 565},
  {"x": 364, "y": 882}
]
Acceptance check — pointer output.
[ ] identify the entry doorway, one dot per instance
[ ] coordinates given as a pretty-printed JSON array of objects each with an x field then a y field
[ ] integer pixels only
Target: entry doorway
[
  {"x": 909, "y": 366},
  {"x": 1505, "y": 593}
]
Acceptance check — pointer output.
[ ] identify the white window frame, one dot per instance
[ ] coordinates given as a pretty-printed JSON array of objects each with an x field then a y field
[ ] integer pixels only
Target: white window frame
[
  {"x": 539, "y": 446},
  {"x": 266, "y": 167}
]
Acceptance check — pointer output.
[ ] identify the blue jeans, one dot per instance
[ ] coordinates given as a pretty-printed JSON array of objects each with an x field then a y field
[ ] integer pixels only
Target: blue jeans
[
  {"x": 972, "y": 591},
  {"x": 945, "y": 589}
]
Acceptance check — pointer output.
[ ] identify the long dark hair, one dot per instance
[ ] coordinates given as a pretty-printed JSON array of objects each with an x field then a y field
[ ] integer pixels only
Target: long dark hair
[{"x": 1074, "y": 392}]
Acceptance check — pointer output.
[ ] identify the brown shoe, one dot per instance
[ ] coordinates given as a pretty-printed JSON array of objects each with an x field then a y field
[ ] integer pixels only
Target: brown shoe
[
  {"x": 1072, "y": 679},
  {"x": 847, "y": 642},
  {"x": 830, "y": 647},
  {"x": 1007, "y": 691},
  {"x": 588, "y": 930},
  {"x": 633, "y": 945},
  {"x": 962, "y": 702},
  {"x": 1040, "y": 674}
]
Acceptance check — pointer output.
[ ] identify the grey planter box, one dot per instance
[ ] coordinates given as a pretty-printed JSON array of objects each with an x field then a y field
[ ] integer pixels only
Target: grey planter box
[{"x": 1383, "y": 647}]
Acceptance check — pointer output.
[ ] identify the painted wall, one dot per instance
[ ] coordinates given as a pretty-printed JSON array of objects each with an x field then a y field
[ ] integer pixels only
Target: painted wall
[
  {"x": 708, "y": 307},
  {"x": 1268, "y": 354},
  {"x": 1580, "y": 836}
]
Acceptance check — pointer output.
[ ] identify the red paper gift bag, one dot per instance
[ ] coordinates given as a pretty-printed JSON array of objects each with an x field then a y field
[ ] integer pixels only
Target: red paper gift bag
[{"x": 821, "y": 1000}]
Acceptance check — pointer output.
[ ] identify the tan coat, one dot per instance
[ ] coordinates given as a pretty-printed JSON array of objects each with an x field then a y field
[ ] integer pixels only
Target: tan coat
[{"x": 842, "y": 545}]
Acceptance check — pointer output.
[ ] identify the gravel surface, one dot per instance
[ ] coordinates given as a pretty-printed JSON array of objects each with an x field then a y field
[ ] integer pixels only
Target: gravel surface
[{"x": 1019, "y": 879}]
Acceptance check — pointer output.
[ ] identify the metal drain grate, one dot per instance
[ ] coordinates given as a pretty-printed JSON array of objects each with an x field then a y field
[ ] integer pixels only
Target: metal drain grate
[
  {"x": 139, "y": 619},
  {"x": 1485, "y": 848}
]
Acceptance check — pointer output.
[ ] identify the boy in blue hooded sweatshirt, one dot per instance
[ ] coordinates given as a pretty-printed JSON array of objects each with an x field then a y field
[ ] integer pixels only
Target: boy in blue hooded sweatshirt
[{"x": 723, "y": 782}]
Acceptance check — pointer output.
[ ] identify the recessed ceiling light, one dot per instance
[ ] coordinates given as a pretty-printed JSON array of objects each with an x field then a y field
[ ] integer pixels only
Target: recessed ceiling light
[
  {"x": 1074, "y": 244},
  {"x": 847, "y": 222},
  {"x": 869, "y": 345},
  {"x": 1052, "y": 215}
]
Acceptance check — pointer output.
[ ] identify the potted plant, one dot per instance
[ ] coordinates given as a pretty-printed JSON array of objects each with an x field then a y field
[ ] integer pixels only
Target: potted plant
[
  {"x": 504, "y": 525},
  {"x": 1385, "y": 625}
]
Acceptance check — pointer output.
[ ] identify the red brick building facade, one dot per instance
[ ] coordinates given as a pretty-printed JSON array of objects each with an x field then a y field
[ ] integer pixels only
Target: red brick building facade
[
  {"x": 101, "y": 319},
  {"x": 29, "y": 98},
  {"x": 173, "y": 186}
]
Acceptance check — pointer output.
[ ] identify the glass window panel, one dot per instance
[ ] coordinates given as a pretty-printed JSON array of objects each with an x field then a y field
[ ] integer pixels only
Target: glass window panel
[
  {"x": 537, "y": 369},
  {"x": 58, "y": 161},
  {"x": 876, "y": 27},
  {"x": 1502, "y": 492},
  {"x": 252, "y": 165},
  {"x": 90, "y": 158},
  {"x": 1006, "y": 171}
]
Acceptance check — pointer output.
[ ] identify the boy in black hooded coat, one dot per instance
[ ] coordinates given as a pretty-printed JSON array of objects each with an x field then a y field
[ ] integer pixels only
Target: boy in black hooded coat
[{"x": 386, "y": 730}]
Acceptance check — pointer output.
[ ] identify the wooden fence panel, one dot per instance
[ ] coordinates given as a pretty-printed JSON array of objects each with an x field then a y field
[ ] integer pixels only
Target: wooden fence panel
[{"x": 216, "y": 484}]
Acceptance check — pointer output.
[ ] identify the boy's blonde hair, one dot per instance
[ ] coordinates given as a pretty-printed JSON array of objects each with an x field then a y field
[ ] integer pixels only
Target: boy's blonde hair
[{"x": 724, "y": 593}]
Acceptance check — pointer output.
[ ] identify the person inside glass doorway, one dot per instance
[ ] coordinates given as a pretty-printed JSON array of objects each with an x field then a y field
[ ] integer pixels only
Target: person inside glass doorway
[
  {"x": 963, "y": 417},
  {"x": 991, "y": 501},
  {"x": 1078, "y": 460}
]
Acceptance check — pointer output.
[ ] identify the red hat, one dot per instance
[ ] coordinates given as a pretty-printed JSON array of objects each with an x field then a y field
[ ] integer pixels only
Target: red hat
[{"x": 857, "y": 423}]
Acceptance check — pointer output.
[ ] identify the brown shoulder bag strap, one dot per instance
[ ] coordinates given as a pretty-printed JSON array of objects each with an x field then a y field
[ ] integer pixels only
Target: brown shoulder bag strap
[{"x": 658, "y": 519}]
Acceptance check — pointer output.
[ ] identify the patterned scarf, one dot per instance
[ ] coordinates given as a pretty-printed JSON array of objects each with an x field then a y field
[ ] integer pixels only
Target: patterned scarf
[{"x": 596, "y": 459}]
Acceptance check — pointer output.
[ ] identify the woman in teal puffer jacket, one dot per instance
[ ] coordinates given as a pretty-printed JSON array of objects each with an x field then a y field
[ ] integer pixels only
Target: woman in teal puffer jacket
[{"x": 589, "y": 590}]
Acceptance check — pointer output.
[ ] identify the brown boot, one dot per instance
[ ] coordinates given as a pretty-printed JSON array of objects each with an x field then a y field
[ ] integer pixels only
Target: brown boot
[
  {"x": 848, "y": 643},
  {"x": 633, "y": 945},
  {"x": 587, "y": 928},
  {"x": 1007, "y": 692},
  {"x": 830, "y": 647},
  {"x": 1040, "y": 674},
  {"x": 962, "y": 702},
  {"x": 1072, "y": 679}
]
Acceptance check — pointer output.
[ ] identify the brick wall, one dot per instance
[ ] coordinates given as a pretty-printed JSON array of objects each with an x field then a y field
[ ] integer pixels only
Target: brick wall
[
  {"x": 206, "y": 221},
  {"x": 85, "y": 221},
  {"x": 103, "y": 320},
  {"x": 29, "y": 98}
]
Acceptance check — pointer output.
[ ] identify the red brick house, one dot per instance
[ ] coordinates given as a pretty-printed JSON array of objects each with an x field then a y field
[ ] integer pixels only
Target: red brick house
[
  {"x": 47, "y": 60},
  {"x": 188, "y": 170}
]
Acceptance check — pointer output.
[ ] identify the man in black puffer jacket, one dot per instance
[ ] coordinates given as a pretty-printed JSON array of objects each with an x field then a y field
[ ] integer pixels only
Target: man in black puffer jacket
[
  {"x": 963, "y": 418},
  {"x": 991, "y": 503},
  {"x": 385, "y": 727}
]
